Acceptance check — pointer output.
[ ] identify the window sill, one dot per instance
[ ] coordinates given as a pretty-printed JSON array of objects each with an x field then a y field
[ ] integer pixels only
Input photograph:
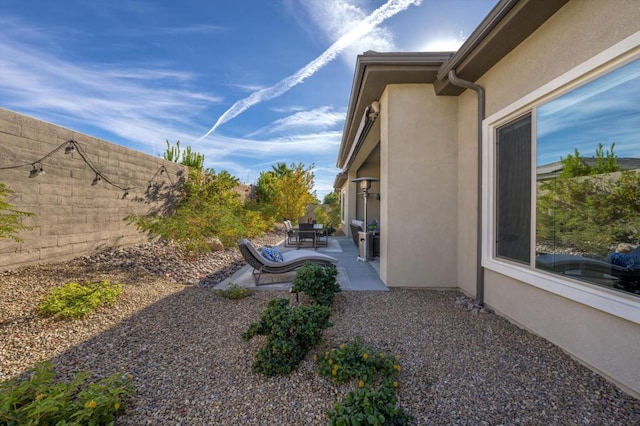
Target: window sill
[{"x": 621, "y": 305}]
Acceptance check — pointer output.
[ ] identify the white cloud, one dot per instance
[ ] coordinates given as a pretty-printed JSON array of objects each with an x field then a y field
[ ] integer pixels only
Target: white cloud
[
  {"x": 122, "y": 101},
  {"x": 319, "y": 118},
  {"x": 444, "y": 43},
  {"x": 335, "y": 18},
  {"x": 362, "y": 28}
]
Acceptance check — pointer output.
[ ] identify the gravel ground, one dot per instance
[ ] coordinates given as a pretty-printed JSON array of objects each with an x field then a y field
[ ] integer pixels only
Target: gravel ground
[{"x": 181, "y": 342}]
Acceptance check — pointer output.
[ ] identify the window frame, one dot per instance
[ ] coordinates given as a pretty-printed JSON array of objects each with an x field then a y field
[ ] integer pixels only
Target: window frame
[{"x": 616, "y": 303}]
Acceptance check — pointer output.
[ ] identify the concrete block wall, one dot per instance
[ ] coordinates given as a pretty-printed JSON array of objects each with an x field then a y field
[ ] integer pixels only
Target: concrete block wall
[{"x": 74, "y": 215}]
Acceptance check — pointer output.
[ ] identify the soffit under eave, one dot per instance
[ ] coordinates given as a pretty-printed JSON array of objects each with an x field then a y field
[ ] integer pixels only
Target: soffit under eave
[{"x": 374, "y": 81}]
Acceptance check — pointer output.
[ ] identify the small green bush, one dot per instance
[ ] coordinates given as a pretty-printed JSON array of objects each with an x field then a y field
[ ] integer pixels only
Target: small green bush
[
  {"x": 290, "y": 331},
  {"x": 235, "y": 292},
  {"x": 74, "y": 300},
  {"x": 374, "y": 400},
  {"x": 10, "y": 218},
  {"x": 355, "y": 360},
  {"x": 318, "y": 282},
  {"x": 368, "y": 406},
  {"x": 39, "y": 400}
]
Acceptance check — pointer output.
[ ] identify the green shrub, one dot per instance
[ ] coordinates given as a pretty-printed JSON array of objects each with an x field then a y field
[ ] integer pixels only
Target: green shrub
[
  {"x": 355, "y": 360},
  {"x": 74, "y": 300},
  {"x": 318, "y": 282},
  {"x": 208, "y": 208},
  {"x": 235, "y": 292},
  {"x": 39, "y": 400},
  {"x": 290, "y": 331},
  {"x": 10, "y": 218},
  {"x": 368, "y": 406}
]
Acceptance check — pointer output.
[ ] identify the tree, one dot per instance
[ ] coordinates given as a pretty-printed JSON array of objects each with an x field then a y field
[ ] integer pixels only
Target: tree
[
  {"x": 286, "y": 191},
  {"x": 328, "y": 212},
  {"x": 590, "y": 207},
  {"x": 209, "y": 208},
  {"x": 575, "y": 165},
  {"x": 10, "y": 218}
]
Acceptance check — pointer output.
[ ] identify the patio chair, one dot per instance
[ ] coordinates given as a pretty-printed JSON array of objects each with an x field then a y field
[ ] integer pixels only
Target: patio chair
[
  {"x": 292, "y": 260},
  {"x": 292, "y": 234},
  {"x": 306, "y": 232}
]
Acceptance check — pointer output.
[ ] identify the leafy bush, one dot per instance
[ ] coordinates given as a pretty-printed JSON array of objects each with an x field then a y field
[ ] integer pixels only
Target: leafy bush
[
  {"x": 235, "y": 292},
  {"x": 355, "y": 360},
  {"x": 74, "y": 300},
  {"x": 209, "y": 208},
  {"x": 11, "y": 219},
  {"x": 290, "y": 331},
  {"x": 369, "y": 406},
  {"x": 40, "y": 400},
  {"x": 591, "y": 208},
  {"x": 318, "y": 282}
]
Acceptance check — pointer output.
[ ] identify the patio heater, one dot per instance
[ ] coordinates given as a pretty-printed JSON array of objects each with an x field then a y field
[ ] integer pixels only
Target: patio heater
[{"x": 365, "y": 237}]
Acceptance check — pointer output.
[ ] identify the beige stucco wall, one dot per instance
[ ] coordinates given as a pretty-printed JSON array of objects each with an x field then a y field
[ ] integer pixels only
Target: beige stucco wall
[
  {"x": 419, "y": 187},
  {"x": 576, "y": 33},
  {"x": 602, "y": 341}
]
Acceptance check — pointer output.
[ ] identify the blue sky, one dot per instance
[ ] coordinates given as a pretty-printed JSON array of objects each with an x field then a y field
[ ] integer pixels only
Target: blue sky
[
  {"x": 605, "y": 110},
  {"x": 271, "y": 78}
]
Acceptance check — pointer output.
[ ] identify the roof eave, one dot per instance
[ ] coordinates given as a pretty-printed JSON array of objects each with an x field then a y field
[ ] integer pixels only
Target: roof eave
[
  {"x": 508, "y": 24},
  {"x": 396, "y": 68}
]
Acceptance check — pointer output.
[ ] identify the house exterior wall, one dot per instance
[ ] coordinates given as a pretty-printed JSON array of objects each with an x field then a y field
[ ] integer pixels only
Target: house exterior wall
[
  {"x": 579, "y": 31},
  {"x": 74, "y": 217},
  {"x": 419, "y": 187}
]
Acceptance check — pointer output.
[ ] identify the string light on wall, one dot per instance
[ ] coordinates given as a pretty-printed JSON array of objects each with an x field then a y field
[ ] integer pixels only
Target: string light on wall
[
  {"x": 37, "y": 170},
  {"x": 72, "y": 146},
  {"x": 161, "y": 171}
]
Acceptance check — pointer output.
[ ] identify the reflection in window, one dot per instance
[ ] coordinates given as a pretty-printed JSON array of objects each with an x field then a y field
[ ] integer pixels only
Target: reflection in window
[{"x": 588, "y": 182}]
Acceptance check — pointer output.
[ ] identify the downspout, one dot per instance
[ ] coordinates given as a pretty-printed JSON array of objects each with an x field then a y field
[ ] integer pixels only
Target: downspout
[{"x": 453, "y": 78}]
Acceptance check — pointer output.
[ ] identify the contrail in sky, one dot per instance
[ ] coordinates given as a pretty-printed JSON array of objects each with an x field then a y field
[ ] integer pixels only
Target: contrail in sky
[{"x": 378, "y": 16}]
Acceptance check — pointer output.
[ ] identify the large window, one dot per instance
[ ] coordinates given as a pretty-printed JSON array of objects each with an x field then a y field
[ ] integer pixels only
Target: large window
[{"x": 585, "y": 145}]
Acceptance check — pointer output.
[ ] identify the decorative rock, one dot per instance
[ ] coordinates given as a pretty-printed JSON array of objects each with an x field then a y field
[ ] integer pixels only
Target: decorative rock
[
  {"x": 184, "y": 347},
  {"x": 215, "y": 244}
]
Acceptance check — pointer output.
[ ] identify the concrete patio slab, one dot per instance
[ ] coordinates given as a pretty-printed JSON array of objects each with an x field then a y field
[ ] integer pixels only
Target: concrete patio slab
[{"x": 353, "y": 275}]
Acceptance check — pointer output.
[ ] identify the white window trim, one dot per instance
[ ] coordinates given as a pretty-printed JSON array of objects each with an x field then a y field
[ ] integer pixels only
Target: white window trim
[{"x": 610, "y": 301}]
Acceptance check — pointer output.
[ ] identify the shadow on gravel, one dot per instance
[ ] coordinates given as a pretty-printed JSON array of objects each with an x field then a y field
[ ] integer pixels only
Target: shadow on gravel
[{"x": 190, "y": 364}]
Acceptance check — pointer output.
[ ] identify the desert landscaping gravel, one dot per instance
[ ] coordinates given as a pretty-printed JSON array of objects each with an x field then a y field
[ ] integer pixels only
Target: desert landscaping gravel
[{"x": 182, "y": 343}]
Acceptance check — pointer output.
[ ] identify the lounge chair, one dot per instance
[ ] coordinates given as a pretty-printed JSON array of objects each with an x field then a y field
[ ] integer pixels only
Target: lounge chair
[{"x": 292, "y": 260}]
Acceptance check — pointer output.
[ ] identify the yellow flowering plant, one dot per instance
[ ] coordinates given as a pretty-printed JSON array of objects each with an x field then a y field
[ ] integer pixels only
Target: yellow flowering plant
[
  {"x": 235, "y": 292},
  {"x": 39, "y": 399},
  {"x": 352, "y": 360},
  {"x": 373, "y": 401}
]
